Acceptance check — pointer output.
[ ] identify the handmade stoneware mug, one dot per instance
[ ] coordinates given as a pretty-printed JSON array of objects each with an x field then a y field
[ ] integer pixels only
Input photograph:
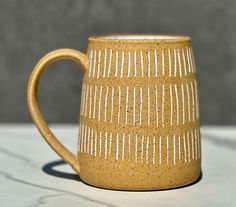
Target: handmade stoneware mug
[{"x": 139, "y": 115}]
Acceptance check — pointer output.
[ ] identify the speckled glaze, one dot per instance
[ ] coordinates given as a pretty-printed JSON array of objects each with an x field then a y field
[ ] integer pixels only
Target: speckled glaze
[{"x": 139, "y": 116}]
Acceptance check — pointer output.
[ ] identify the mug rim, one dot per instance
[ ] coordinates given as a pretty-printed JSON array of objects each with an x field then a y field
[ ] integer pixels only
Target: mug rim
[{"x": 140, "y": 38}]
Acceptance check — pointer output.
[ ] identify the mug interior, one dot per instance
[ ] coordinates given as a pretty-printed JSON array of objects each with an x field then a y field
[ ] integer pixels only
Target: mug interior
[{"x": 143, "y": 37}]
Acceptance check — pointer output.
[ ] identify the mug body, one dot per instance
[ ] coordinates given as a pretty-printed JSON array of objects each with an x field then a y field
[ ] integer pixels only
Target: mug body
[{"x": 139, "y": 117}]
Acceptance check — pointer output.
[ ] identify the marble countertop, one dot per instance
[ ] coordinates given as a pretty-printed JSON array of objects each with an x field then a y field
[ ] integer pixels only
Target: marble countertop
[{"x": 31, "y": 174}]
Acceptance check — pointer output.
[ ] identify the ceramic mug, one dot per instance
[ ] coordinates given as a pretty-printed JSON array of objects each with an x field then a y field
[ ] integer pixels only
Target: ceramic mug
[{"x": 139, "y": 113}]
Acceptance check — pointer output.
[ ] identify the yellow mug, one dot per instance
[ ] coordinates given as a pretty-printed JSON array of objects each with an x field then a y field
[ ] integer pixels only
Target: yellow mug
[{"x": 139, "y": 115}]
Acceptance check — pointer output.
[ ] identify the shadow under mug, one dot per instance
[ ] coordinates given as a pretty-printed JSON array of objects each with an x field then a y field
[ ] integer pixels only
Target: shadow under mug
[{"x": 139, "y": 114}]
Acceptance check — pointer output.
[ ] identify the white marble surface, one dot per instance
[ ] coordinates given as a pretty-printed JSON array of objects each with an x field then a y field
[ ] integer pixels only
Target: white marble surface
[{"x": 23, "y": 154}]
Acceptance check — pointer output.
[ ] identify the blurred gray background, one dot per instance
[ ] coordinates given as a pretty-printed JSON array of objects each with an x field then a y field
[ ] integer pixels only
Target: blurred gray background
[{"x": 29, "y": 29}]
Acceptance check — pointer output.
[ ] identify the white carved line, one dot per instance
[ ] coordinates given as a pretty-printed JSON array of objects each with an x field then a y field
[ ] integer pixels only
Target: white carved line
[
  {"x": 185, "y": 69},
  {"x": 134, "y": 105},
  {"x": 105, "y": 63},
  {"x": 135, "y": 66},
  {"x": 194, "y": 66},
  {"x": 79, "y": 138},
  {"x": 141, "y": 106},
  {"x": 179, "y": 149},
  {"x": 141, "y": 61},
  {"x": 195, "y": 143},
  {"x": 177, "y": 105},
  {"x": 126, "y": 105},
  {"x": 191, "y": 59},
  {"x": 85, "y": 138},
  {"x": 199, "y": 148},
  {"x": 174, "y": 151},
  {"x": 88, "y": 140},
  {"x": 123, "y": 146},
  {"x": 148, "y": 97},
  {"x": 136, "y": 148},
  {"x": 90, "y": 100},
  {"x": 188, "y": 59},
  {"x": 106, "y": 145},
  {"x": 149, "y": 64},
  {"x": 147, "y": 149},
  {"x": 163, "y": 62},
  {"x": 117, "y": 146},
  {"x": 112, "y": 103},
  {"x": 156, "y": 63},
  {"x": 180, "y": 67},
  {"x": 99, "y": 63},
  {"x": 185, "y": 151},
  {"x": 95, "y": 144},
  {"x": 183, "y": 103},
  {"x": 129, "y": 146},
  {"x": 171, "y": 106},
  {"x": 169, "y": 58},
  {"x": 175, "y": 63},
  {"x": 82, "y": 99},
  {"x": 160, "y": 148},
  {"x": 110, "y": 144},
  {"x": 119, "y": 104},
  {"x": 90, "y": 62},
  {"x": 94, "y": 62},
  {"x": 153, "y": 149},
  {"x": 167, "y": 150},
  {"x": 196, "y": 98},
  {"x": 92, "y": 141},
  {"x": 109, "y": 65},
  {"x": 99, "y": 104},
  {"x": 156, "y": 96},
  {"x": 142, "y": 145},
  {"x": 117, "y": 61},
  {"x": 82, "y": 140},
  {"x": 192, "y": 144},
  {"x": 188, "y": 142},
  {"x": 199, "y": 144},
  {"x": 105, "y": 106},
  {"x": 129, "y": 60},
  {"x": 100, "y": 144},
  {"x": 193, "y": 101},
  {"x": 188, "y": 97},
  {"x": 94, "y": 101},
  {"x": 163, "y": 105},
  {"x": 86, "y": 100},
  {"x": 122, "y": 64}
]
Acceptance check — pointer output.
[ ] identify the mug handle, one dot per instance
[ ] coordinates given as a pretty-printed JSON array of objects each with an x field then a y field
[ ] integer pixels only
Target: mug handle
[{"x": 56, "y": 145}]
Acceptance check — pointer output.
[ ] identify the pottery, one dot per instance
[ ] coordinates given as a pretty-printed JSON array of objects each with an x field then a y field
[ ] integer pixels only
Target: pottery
[{"x": 139, "y": 116}]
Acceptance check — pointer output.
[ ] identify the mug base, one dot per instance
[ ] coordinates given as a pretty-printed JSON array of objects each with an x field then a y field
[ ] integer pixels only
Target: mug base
[
  {"x": 139, "y": 177},
  {"x": 183, "y": 185}
]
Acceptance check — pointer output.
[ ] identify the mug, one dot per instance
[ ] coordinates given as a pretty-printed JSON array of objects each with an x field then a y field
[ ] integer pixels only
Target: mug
[{"x": 139, "y": 114}]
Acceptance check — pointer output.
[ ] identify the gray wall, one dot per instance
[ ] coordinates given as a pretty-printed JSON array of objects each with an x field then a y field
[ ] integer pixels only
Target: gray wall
[{"x": 31, "y": 28}]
